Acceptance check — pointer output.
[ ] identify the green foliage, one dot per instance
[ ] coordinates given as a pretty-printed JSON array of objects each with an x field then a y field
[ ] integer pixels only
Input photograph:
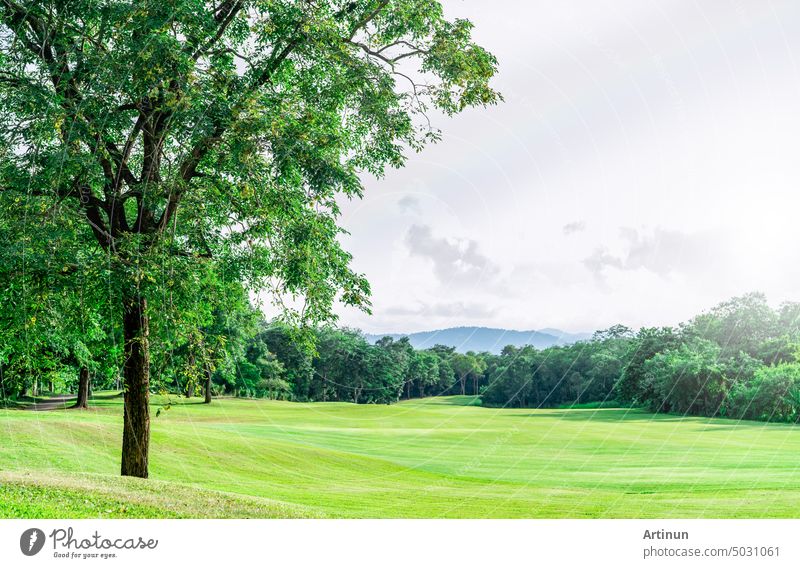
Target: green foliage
[
  {"x": 261, "y": 374},
  {"x": 182, "y": 137},
  {"x": 734, "y": 360},
  {"x": 772, "y": 395},
  {"x": 688, "y": 380},
  {"x": 274, "y": 389},
  {"x": 54, "y": 312},
  {"x": 649, "y": 342},
  {"x": 572, "y": 374},
  {"x": 423, "y": 373},
  {"x": 742, "y": 324},
  {"x": 468, "y": 366},
  {"x": 342, "y": 367}
]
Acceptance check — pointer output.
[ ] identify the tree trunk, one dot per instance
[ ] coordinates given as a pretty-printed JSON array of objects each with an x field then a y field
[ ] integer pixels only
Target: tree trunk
[
  {"x": 50, "y": 386},
  {"x": 207, "y": 399},
  {"x": 190, "y": 386},
  {"x": 463, "y": 383},
  {"x": 136, "y": 373},
  {"x": 83, "y": 389}
]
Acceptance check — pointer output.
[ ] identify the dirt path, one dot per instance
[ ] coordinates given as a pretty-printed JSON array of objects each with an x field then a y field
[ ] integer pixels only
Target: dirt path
[{"x": 58, "y": 402}]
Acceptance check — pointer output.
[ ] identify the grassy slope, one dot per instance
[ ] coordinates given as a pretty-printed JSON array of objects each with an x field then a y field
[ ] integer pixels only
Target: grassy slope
[
  {"x": 75, "y": 496},
  {"x": 431, "y": 458}
]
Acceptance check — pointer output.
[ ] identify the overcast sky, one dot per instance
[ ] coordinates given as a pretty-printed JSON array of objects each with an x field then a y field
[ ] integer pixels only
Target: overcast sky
[{"x": 644, "y": 166}]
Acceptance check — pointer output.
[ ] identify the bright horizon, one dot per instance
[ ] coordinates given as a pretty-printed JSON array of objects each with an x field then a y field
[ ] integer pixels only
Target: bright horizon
[{"x": 640, "y": 171}]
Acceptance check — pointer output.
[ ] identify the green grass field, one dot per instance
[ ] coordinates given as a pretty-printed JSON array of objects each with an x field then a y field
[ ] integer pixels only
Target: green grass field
[{"x": 439, "y": 457}]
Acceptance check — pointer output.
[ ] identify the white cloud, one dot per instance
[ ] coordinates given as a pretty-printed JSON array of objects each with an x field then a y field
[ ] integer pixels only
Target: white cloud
[
  {"x": 455, "y": 261},
  {"x": 409, "y": 204},
  {"x": 663, "y": 252},
  {"x": 574, "y": 227}
]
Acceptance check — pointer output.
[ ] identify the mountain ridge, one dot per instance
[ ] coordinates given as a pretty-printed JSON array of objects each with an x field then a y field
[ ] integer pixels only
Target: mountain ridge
[{"x": 475, "y": 338}]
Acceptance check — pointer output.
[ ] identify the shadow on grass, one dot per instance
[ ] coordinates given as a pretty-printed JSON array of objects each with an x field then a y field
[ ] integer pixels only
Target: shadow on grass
[
  {"x": 40, "y": 403},
  {"x": 456, "y": 400},
  {"x": 642, "y": 415},
  {"x": 107, "y": 396},
  {"x": 603, "y": 415},
  {"x": 27, "y": 399}
]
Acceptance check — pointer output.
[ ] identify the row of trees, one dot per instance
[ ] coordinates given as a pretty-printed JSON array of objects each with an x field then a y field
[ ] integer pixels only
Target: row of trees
[
  {"x": 343, "y": 366},
  {"x": 738, "y": 360},
  {"x": 223, "y": 346}
]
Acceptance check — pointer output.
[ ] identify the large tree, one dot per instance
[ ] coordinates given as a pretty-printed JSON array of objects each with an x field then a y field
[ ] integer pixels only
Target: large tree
[{"x": 182, "y": 132}]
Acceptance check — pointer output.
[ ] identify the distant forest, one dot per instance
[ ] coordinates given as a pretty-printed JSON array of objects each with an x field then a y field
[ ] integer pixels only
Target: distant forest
[{"x": 741, "y": 359}]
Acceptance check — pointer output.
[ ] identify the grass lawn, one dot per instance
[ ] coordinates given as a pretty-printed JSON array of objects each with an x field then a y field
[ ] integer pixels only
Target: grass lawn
[{"x": 438, "y": 457}]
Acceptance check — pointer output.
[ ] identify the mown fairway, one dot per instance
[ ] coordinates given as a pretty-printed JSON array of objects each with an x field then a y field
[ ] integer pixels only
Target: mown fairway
[{"x": 436, "y": 457}]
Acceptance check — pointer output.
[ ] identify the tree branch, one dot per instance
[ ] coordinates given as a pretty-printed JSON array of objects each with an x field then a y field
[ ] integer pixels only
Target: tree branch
[
  {"x": 367, "y": 19},
  {"x": 226, "y": 14},
  {"x": 188, "y": 168}
]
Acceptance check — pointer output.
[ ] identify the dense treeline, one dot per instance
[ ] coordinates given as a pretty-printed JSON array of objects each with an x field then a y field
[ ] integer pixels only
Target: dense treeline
[
  {"x": 343, "y": 366},
  {"x": 738, "y": 360}
]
